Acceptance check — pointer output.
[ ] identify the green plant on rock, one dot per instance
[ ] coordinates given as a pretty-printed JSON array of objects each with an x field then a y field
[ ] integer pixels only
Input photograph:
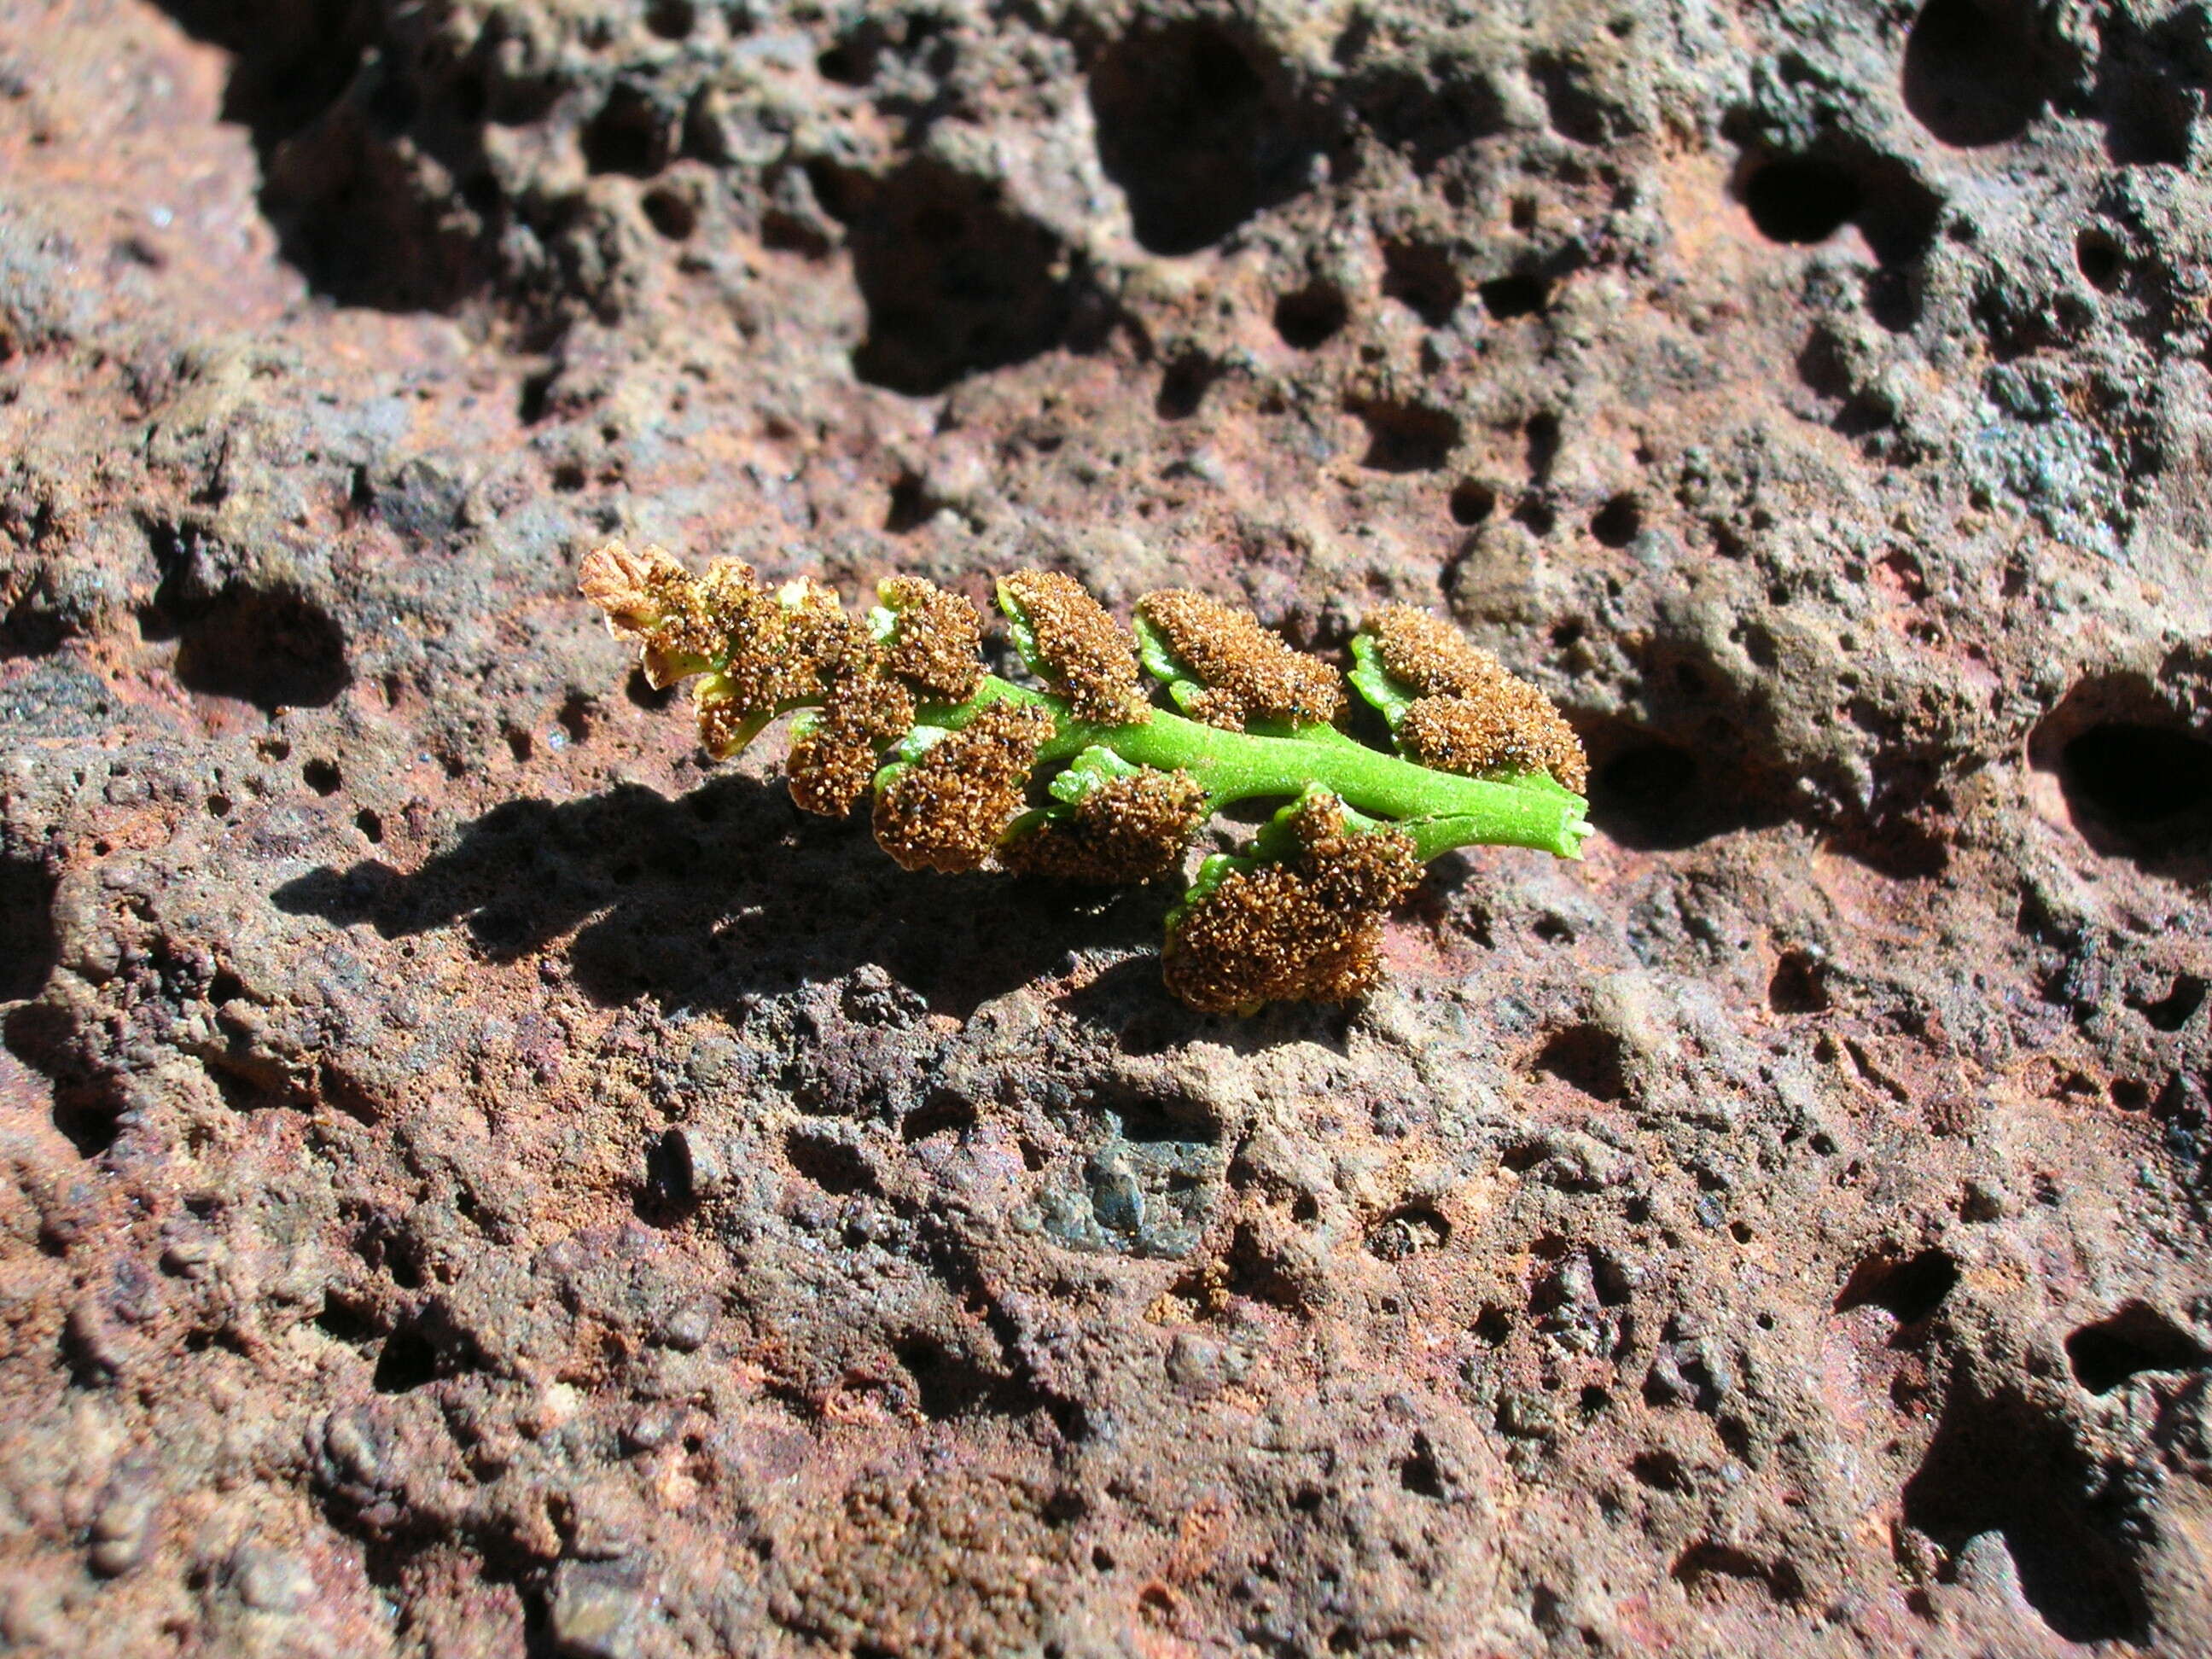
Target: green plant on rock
[{"x": 1085, "y": 777}]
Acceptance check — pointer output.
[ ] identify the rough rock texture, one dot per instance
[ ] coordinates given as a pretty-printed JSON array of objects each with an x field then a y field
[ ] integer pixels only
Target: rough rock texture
[{"x": 482, "y": 1181}]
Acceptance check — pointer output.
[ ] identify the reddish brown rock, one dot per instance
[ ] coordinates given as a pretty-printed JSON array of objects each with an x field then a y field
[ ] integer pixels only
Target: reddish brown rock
[{"x": 480, "y": 1178}]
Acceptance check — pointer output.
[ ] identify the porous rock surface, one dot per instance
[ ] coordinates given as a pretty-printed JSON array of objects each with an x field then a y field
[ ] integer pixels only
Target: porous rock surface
[{"x": 482, "y": 1181}]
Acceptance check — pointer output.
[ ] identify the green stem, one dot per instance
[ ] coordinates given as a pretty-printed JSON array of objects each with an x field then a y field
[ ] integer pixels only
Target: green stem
[
  {"x": 1452, "y": 811},
  {"x": 1434, "y": 837}
]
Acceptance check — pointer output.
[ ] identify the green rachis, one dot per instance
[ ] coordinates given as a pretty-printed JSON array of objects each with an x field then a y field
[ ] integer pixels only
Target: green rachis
[{"x": 1088, "y": 779}]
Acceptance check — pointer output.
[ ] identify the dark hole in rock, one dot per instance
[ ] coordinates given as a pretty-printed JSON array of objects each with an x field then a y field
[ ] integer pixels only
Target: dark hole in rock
[
  {"x": 1617, "y": 521},
  {"x": 858, "y": 55},
  {"x": 1798, "y": 986},
  {"x": 955, "y": 281},
  {"x": 2135, "y": 775},
  {"x": 1408, "y": 1231},
  {"x": 908, "y": 508},
  {"x": 1538, "y": 515},
  {"x": 2097, "y": 251},
  {"x": 849, "y": 63},
  {"x": 2136, "y": 780},
  {"x": 838, "y": 191},
  {"x": 672, "y": 213},
  {"x": 1193, "y": 133},
  {"x": 93, "y": 1129},
  {"x": 1184, "y": 387},
  {"x": 1419, "y": 1474},
  {"x": 31, "y": 627},
  {"x": 1661, "y": 1471},
  {"x": 248, "y": 1084},
  {"x": 671, "y": 20},
  {"x": 1657, "y": 795},
  {"x": 1897, "y": 214},
  {"x": 1641, "y": 790},
  {"x": 2171, "y": 1011},
  {"x": 1165, "y": 1121},
  {"x": 2149, "y": 89},
  {"x": 1423, "y": 278},
  {"x": 346, "y": 1322},
  {"x": 370, "y": 823},
  {"x": 408, "y": 1360},
  {"x": 534, "y": 401},
  {"x": 1896, "y": 846},
  {"x": 2136, "y": 1338},
  {"x": 1892, "y": 297},
  {"x": 1311, "y": 316},
  {"x": 322, "y": 776},
  {"x": 383, "y": 1250},
  {"x": 670, "y": 1189},
  {"x": 1800, "y": 199},
  {"x": 1352, "y": 40},
  {"x": 1472, "y": 502},
  {"x": 2000, "y": 1464},
  {"x": 1588, "y": 1058},
  {"x": 271, "y": 647},
  {"x": 295, "y": 60},
  {"x": 1658, "y": 773},
  {"x": 1971, "y": 72},
  {"x": 28, "y": 948},
  {"x": 944, "y": 1114},
  {"x": 89, "y": 1106},
  {"x": 1784, "y": 1580},
  {"x": 344, "y": 126},
  {"x": 575, "y": 716},
  {"x": 2130, "y": 1094},
  {"x": 1257, "y": 1271},
  {"x": 830, "y": 1166},
  {"x": 1542, "y": 435},
  {"x": 1407, "y": 437},
  {"x": 949, "y": 1385},
  {"x": 631, "y": 134},
  {"x": 1911, "y": 1288},
  {"x": 1517, "y": 295}
]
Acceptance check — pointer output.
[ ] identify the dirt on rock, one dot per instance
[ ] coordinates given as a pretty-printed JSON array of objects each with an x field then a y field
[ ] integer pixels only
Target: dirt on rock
[{"x": 483, "y": 1180}]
